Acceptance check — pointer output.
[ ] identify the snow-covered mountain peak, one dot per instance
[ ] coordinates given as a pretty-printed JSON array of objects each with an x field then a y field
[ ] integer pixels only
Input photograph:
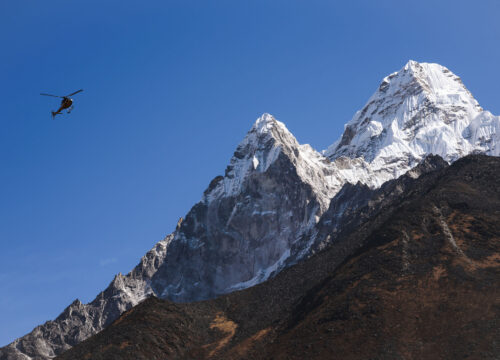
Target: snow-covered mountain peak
[
  {"x": 267, "y": 140},
  {"x": 265, "y": 123},
  {"x": 421, "y": 109},
  {"x": 430, "y": 83},
  {"x": 437, "y": 82},
  {"x": 261, "y": 146},
  {"x": 267, "y": 127}
]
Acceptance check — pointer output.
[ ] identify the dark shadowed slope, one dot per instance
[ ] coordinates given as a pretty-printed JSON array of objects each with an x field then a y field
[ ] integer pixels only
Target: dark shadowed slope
[{"x": 419, "y": 279}]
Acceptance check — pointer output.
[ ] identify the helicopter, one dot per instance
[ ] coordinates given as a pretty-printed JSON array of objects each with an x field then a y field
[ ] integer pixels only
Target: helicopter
[{"x": 66, "y": 102}]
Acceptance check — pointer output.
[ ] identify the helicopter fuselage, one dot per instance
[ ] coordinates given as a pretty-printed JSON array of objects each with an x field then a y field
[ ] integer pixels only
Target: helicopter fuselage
[{"x": 66, "y": 103}]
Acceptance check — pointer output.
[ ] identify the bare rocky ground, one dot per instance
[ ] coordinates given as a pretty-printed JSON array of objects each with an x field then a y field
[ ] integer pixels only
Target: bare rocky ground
[{"x": 419, "y": 278}]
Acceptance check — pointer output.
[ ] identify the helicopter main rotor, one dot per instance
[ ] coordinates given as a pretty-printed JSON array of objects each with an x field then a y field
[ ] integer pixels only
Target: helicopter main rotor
[{"x": 63, "y": 97}]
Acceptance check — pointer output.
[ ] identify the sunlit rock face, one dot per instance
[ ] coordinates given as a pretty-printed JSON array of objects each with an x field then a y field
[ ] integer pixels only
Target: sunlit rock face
[{"x": 242, "y": 230}]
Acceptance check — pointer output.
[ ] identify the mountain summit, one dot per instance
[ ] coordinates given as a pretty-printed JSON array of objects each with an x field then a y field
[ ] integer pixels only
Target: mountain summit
[
  {"x": 264, "y": 213},
  {"x": 421, "y": 109}
]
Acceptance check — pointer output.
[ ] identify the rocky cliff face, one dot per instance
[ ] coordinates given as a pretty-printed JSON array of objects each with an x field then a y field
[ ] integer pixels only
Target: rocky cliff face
[
  {"x": 79, "y": 321},
  {"x": 247, "y": 221},
  {"x": 261, "y": 216}
]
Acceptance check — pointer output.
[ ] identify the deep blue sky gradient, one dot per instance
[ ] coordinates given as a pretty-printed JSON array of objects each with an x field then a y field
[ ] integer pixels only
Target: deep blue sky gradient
[{"x": 171, "y": 87}]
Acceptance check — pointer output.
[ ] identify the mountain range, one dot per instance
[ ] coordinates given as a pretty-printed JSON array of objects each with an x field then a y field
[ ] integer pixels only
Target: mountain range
[
  {"x": 414, "y": 274},
  {"x": 281, "y": 204}
]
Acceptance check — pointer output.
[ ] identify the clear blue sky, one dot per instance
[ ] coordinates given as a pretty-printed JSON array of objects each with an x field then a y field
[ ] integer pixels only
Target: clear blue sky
[{"x": 171, "y": 87}]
